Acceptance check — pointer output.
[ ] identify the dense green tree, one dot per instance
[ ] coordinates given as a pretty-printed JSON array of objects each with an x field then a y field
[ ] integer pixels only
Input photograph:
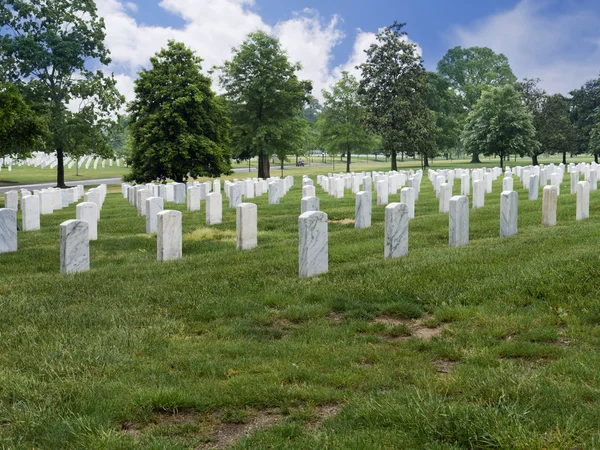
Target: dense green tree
[
  {"x": 555, "y": 131},
  {"x": 443, "y": 100},
  {"x": 21, "y": 129},
  {"x": 119, "y": 136},
  {"x": 48, "y": 48},
  {"x": 265, "y": 99},
  {"x": 394, "y": 85},
  {"x": 178, "y": 125},
  {"x": 594, "y": 145},
  {"x": 342, "y": 124},
  {"x": 534, "y": 98},
  {"x": 500, "y": 124},
  {"x": 584, "y": 102},
  {"x": 471, "y": 70}
]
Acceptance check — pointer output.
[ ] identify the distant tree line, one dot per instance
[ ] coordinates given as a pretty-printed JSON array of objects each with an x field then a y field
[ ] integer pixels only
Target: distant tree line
[{"x": 178, "y": 127}]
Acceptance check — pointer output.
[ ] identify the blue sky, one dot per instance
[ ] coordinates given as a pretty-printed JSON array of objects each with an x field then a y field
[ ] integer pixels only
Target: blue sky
[{"x": 555, "y": 40}]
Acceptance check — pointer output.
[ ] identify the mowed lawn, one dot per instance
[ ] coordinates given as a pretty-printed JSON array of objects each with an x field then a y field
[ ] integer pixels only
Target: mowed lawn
[{"x": 492, "y": 345}]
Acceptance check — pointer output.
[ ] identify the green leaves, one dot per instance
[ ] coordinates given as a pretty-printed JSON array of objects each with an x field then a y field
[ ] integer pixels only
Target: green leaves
[
  {"x": 178, "y": 125},
  {"x": 394, "y": 85},
  {"x": 500, "y": 125},
  {"x": 265, "y": 100}
]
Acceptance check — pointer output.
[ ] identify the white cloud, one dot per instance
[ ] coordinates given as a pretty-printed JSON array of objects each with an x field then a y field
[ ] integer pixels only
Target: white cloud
[
  {"x": 131, "y": 6},
  {"x": 562, "y": 50}
]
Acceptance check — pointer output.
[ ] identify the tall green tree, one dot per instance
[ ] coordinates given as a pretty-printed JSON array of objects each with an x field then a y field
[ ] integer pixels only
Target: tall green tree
[
  {"x": 595, "y": 136},
  {"x": 443, "y": 100},
  {"x": 584, "y": 103},
  {"x": 49, "y": 48},
  {"x": 471, "y": 70},
  {"x": 534, "y": 98},
  {"x": 265, "y": 99},
  {"x": 21, "y": 129},
  {"x": 394, "y": 85},
  {"x": 178, "y": 126},
  {"x": 555, "y": 131},
  {"x": 342, "y": 124},
  {"x": 500, "y": 125}
]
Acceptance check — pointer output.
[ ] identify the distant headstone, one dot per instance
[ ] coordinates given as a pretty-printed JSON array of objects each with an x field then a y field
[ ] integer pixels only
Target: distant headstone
[
  {"x": 11, "y": 200},
  {"x": 179, "y": 193},
  {"x": 154, "y": 205},
  {"x": 87, "y": 211},
  {"x": 583, "y": 200},
  {"x": 193, "y": 198},
  {"x": 214, "y": 208},
  {"x": 310, "y": 204},
  {"x": 30, "y": 206},
  {"x": 549, "y": 199},
  {"x": 407, "y": 196},
  {"x": 459, "y": 221}
]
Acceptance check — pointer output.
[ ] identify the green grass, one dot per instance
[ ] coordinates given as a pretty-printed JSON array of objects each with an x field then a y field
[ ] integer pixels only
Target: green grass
[{"x": 140, "y": 354}]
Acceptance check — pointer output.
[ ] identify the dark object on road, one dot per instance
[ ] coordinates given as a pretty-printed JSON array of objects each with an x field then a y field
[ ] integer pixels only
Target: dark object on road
[{"x": 300, "y": 163}]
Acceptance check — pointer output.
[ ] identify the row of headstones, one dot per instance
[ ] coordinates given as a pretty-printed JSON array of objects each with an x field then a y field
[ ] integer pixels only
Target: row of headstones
[
  {"x": 384, "y": 183},
  {"x": 313, "y": 225},
  {"x": 74, "y": 234},
  {"x": 275, "y": 187}
]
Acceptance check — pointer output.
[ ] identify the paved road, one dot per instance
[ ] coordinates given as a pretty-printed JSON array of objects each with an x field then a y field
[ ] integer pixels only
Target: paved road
[{"x": 31, "y": 187}]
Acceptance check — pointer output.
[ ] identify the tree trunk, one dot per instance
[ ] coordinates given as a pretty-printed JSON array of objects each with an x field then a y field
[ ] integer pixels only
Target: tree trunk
[
  {"x": 425, "y": 160},
  {"x": 502, "y": 161},
  {"x": 394, "y": 162},
  {"x": 534, "y": 160},
  {"x": 60, "y": 169},
  {"x": 475, "y": 159},
  {"x": 348, "y": 158},
  {"x": 264, "y": 166},
  {"x": 282, "y": 167},
  {"x": 564, "y": 158},
  {"x": 596, "y": 158}
]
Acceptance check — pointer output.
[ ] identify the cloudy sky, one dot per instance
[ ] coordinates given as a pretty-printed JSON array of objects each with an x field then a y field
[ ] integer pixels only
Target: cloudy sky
[{"x": 555, "y": 40}]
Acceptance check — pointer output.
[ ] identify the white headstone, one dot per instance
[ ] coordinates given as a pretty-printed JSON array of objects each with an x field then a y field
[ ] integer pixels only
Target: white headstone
[
  {"x": 247, "y": 226},
  {"x": 11, "y": 200},
  {"x": 308, "y": 191},
  {"x": 407, "y": 196},
  {"x": 169, "y": 235},
  {"x": 310, "y": 204},
  {"x": 214, "y": 208},
  {"x": 179, "y": 193},
  {"x": 273, "y": 193},
  {"x": 235, "y": 195},
  {"x": 549, "y": 199},
  {"x": 87, "y": 211},
  {"x": 445, "y": 196},
  {"x": 382, "y": 192},
  {"x": 8, "y": 230},
  {"x": 154, "y": 205},
  {"x": 534, "y": 187},
  {"x": 30, "y": 207},
  {"x": 74, "y": 246},
  {"x": 583, "y": 200},
  {"x": 478, "y": 194},
  {"x": 459, "y": 221},
  {"x": 396, "y": 230},
  {"x": 313, "y": 248},
  {"x": 193, "y": 198},
  {"x": 509, "y": 204},
  {"x": 362, "y": 216}
]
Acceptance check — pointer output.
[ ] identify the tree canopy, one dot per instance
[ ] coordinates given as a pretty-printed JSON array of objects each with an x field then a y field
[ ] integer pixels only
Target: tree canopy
[
  {"x": 555, "y": 131},
  {"x": 178, "y": 126},
  {"x": 500, "y": 125},
  {"x": 342, "y": 123},
  {"x": 48, "y": 51},
  {"x": 21, "y": 129},
  {"x": 584, "y": 104},
  {"x": 394, "y": 85},
  {"x": 265, "y": 100}
]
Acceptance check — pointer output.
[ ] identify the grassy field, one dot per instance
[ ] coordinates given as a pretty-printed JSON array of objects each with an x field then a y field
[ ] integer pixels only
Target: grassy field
[
  {"x": 26, "y": 175},
  {"x": 490, "y": 346}
]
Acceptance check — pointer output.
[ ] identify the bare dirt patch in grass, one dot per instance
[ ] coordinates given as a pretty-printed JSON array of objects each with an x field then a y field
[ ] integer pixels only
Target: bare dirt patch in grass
[
  {"x": 444, "y": 366},
  {"x": 419, "y": 328},
  {"x": 343, "y": 221}
]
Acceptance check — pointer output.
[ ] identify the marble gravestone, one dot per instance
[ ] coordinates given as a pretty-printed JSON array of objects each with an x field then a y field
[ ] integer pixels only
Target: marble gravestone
[
  {"x": 214, "y": 208},
  {"x": 407, "y": 196},
  {"x": 179, "y": 193},
  {"x": 382, "y": 192},
  {"x": 87, "y": 211},
  {"x": 313, "y": 245},
  {"x": 154, "y": 205},
  {"x": 478, "y": 194},
  {"x": 310, "y": 204},
  {"x": 46, "y": 202},
  {"x": 142, "y": 196},
  {"x": 273, "y": 193},
  {"x": 534, "y": 187},
  {"x": 11, "y": 200},
  {"x": 507, "y": 184},
  {"x": 94, "y": 196},
  {"x": 583, "y": 200},
  {"x": 549, "y": 199},
  {"x": 509, "y": 203},
  {"x": 362, "y": 216},
  {"x": 459, "y": 221},
  {"x": 193, "y": 198},
  {"x": 396, "y": 230},
  {"x": 308, "y": 191},
  {"x": 246, "y": 226},
  {"x": 169, "y": 233},
  {"x": 74, "y": 246},
  {"x": 235, "y": 195},
  {"x": 445, "y": 196},
  {"x": 8, "y": 230},
  {"x": 30, "y": 207}
]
